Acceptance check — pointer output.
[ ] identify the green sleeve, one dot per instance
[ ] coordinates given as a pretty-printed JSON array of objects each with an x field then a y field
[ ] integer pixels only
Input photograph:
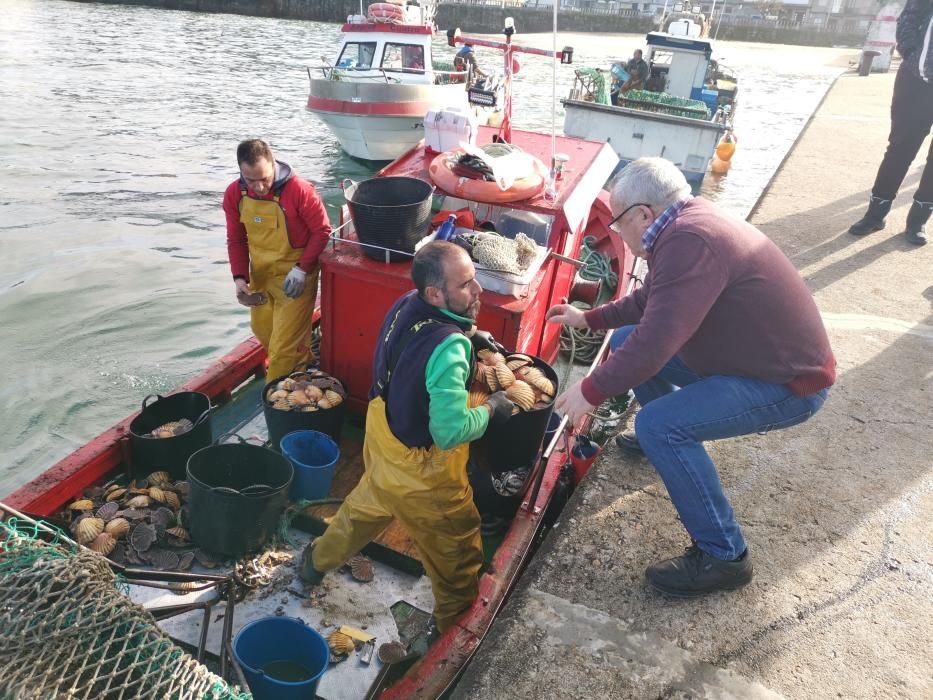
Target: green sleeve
[{"x": 451, "y": 422}]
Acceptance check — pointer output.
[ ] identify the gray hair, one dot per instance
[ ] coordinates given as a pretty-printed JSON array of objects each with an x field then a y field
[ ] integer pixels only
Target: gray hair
[{"x": 656, "y": 182}]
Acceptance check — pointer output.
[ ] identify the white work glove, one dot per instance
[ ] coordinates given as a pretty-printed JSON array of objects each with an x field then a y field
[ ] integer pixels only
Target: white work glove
[{"x": 294, "y": 283}]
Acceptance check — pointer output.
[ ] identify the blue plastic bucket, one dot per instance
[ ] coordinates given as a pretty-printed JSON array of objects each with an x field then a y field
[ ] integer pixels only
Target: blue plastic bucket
[
  {"x": 274, "y": 648},
  {"x": 314, "y": 456}
]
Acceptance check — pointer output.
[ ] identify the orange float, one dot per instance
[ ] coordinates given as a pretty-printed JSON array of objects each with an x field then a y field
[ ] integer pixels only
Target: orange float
[
  {"x": 484, "y": 190},
  {"x": 726, "y": 146}
]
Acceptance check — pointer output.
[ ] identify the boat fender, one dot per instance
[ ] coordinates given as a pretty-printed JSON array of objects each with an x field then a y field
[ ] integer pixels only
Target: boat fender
[
  {"x": 485, "y": 190},
  {"x": 726, "y": 147}
]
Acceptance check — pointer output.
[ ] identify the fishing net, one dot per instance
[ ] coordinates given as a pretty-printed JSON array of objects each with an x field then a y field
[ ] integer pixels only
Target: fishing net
[
  {"x": 593, "y": 81},
  {"x": 66, "y": 630},
  {"x": 662, "y": 103}
]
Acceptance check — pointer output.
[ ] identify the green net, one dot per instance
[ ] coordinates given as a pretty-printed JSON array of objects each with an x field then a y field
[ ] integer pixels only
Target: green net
[
  {"x": 66, "y": 631},
  {"x": 597, "y": 84},
  {"x": 662, "y": 103}
]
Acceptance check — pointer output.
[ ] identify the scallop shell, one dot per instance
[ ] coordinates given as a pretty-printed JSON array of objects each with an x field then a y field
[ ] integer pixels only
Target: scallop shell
[
  {"x": 476, "y": 398},
  {"x": 206, "y": 559},
  {"x": 391, "y": 652},
  {"x": 361, "y": 568},
  {"x": 161, "y": 518},
  {"x": 341, "y": 643},
  {"x": 108, "y": 511},
  {"x": 163, "y": 559},
  {"x": 542, "y": 384},
  {"x": 159, "y": 478},
  {"x": 157, "y": 494},
  {"x": 172, "y": 500},
  {"x": 82, "y": 504},
  {"x": 492, "y": 379},
  {"x": 310, "y": 408},
  {"x": 179, "y": 532},
  {"x": 298, "y": 398},
  {"x": 88, "y": 529},
  {"x": 281, "y": 405},
  {"x": 142, "y": 537},
  {"x": 315, "y": 393},
  {"x": 504, "y": 376},
  {"x": 185, "y": 561},
  {"x": 479, "y": 373},
  {"x": 182, "y": 488},
  {"x": 118, "y": 527},
  {"x": 103, "y": 543},
  {"x": 519, "y": 357},
  {"x": 184, "y": 587},
  {"x": 521, "y": 394},
  {"x": 131, "y": 514},
  {"x": 529, "y": 374},
  {"x": 334, "y": 397},
  {"x": 115, "y": 494},
  {"x": 324, "y": 403},
  {"x": 138, "y": 502},
  {"x": 289, "y": 383},
  {"x": 275, "y": 394}
]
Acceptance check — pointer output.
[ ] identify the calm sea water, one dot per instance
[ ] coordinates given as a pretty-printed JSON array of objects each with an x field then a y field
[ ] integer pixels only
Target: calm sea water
[{"x": 117, "y": 138}]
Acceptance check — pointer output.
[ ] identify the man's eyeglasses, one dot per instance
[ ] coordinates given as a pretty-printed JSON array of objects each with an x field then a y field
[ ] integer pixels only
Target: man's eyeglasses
[{"x": 614, "y": 226}]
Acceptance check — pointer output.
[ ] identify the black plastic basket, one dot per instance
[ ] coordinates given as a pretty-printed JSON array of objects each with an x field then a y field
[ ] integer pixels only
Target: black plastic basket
[{"x": 391, "y": 213}]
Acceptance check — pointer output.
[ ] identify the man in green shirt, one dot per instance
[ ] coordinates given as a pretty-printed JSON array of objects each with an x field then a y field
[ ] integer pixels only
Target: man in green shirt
[{"x": 418, "y": 430}]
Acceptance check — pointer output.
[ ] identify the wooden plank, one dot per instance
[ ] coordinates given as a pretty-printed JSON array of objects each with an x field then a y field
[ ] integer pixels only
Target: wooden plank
[{"x": 347, "y": 475}]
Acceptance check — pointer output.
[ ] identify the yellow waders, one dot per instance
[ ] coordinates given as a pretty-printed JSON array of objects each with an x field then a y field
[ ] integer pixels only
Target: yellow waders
[
  {"x": 429, "y": 493},
  {"x": 282, "y": 325}
]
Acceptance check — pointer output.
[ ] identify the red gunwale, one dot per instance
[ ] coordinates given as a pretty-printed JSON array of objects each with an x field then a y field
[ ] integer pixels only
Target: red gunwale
[
  {"x": 374, "y": 109},
  {"x": 389, "y": 28}
]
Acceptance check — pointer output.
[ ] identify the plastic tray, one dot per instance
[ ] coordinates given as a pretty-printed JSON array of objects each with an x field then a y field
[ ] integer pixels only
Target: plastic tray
[{"x": 507, "y": 283}]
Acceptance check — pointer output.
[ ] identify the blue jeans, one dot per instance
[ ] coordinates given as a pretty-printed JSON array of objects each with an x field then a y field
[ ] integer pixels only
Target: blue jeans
[{"x": 681, "y": 409}]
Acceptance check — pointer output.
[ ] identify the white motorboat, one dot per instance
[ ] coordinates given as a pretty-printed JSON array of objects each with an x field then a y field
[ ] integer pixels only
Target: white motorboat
[
  {"x": 687, "y": 106},
  {"x": 385, "y": 79}
]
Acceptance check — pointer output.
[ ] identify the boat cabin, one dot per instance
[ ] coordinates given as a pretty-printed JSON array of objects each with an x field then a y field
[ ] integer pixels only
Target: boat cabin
[
  {"x": 680, "y": 66},
  {"x": 385, "y": 53}
]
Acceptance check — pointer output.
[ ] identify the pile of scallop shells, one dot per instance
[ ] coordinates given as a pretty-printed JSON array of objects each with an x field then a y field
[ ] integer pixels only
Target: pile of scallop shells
[
  {"x": 306, "y": 392},
  {"x": 140, "y": 524},
  {"x": 527, "y": 386}
]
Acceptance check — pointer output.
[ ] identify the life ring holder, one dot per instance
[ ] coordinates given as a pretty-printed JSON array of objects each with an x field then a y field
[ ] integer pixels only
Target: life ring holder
[{"x": 484, "y": 190}]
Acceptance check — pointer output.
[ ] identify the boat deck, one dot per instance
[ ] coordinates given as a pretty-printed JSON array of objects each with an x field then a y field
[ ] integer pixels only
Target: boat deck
[{"x": 382, "y": 607}]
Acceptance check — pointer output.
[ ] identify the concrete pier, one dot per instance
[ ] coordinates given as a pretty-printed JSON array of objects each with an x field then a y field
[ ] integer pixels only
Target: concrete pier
[{"x": 837, "y": 511}]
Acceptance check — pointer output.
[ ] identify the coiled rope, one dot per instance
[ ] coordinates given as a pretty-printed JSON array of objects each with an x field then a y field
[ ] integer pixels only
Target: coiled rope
[{"x": 583, "y": 344}]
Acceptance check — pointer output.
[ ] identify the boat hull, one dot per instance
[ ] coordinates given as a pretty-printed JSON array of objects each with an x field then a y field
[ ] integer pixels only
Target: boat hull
[
  {"x": 688, "y": 143},
  {"x": 379, "y": 122}
]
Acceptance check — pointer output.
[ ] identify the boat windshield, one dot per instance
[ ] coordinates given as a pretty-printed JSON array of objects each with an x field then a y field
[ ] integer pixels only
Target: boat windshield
[
  {"x": 357, "y": 54},
  {"x": 403, "y": 56}
]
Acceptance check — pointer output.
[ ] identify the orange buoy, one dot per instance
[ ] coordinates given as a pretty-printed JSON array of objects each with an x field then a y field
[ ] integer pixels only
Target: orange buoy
[
  {"x": 726, "y": 147},
  {"x": 719, "y": 166}
]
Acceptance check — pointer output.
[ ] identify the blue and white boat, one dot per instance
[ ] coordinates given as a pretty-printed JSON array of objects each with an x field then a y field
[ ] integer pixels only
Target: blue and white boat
[{"x": 687, "y": 106}]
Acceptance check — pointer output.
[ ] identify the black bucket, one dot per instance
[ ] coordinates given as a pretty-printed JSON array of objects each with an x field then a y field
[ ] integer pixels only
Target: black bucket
[
  {"x": 390, "y": 212},
  {"x": 281, "y": 423},
  {"x": 150, "y": 454},
  {"x": 237, "y": 494},
  {"x": 515, "y": 443}
]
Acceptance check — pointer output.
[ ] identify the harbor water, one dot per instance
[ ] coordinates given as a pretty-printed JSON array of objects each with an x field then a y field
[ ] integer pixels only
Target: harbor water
[{"x": 118, "y": 135}]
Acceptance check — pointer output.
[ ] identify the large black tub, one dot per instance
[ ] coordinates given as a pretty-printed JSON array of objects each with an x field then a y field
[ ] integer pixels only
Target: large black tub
[
  {"x": 390, "y": 212},
  {"x": 515, "y": 443},
  {"x": 150, "y": 454},
  {"x": 237, "y": 494},
  {"x": 281, "y": 423}
]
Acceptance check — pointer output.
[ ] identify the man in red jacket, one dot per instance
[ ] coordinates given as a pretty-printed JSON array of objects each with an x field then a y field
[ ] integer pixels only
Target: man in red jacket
[
  {"x": 722, "y": 339},
  {"x": 276, "y": 229}
]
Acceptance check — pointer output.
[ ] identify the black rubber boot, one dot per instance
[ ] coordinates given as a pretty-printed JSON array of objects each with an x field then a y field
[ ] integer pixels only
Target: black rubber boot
[
  {"x": 874, "y": 218},
  {"x": 308, "y": 573},
  {"x": 916, "y": 222}
]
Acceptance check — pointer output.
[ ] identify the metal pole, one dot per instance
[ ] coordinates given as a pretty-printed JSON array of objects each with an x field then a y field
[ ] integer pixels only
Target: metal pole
[{"x": 719, "y": 23}]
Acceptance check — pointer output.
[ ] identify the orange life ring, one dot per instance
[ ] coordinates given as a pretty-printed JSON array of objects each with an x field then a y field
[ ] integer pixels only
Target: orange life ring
[
  {"x": 386, "y": 12},
  {"x": 484, "y": 190}
]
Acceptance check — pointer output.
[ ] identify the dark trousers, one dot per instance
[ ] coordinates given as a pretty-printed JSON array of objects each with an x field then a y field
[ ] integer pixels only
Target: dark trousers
[{"x": 911, "y": 119}]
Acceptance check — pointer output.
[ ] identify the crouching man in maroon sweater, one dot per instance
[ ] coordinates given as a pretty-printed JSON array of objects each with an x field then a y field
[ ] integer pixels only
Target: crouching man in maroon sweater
[{"x": 723, "y": 339}]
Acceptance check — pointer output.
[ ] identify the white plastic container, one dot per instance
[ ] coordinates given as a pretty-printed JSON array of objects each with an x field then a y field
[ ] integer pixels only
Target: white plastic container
[
  {"x": 507, "y": 283},
  {"x": 444, "y": 129}
]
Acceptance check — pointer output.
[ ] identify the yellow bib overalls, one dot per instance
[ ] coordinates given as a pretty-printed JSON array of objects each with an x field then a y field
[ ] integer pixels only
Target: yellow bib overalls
[
  {"x": 282, "y": 325},
  {"x": 429, "y": 492}
]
